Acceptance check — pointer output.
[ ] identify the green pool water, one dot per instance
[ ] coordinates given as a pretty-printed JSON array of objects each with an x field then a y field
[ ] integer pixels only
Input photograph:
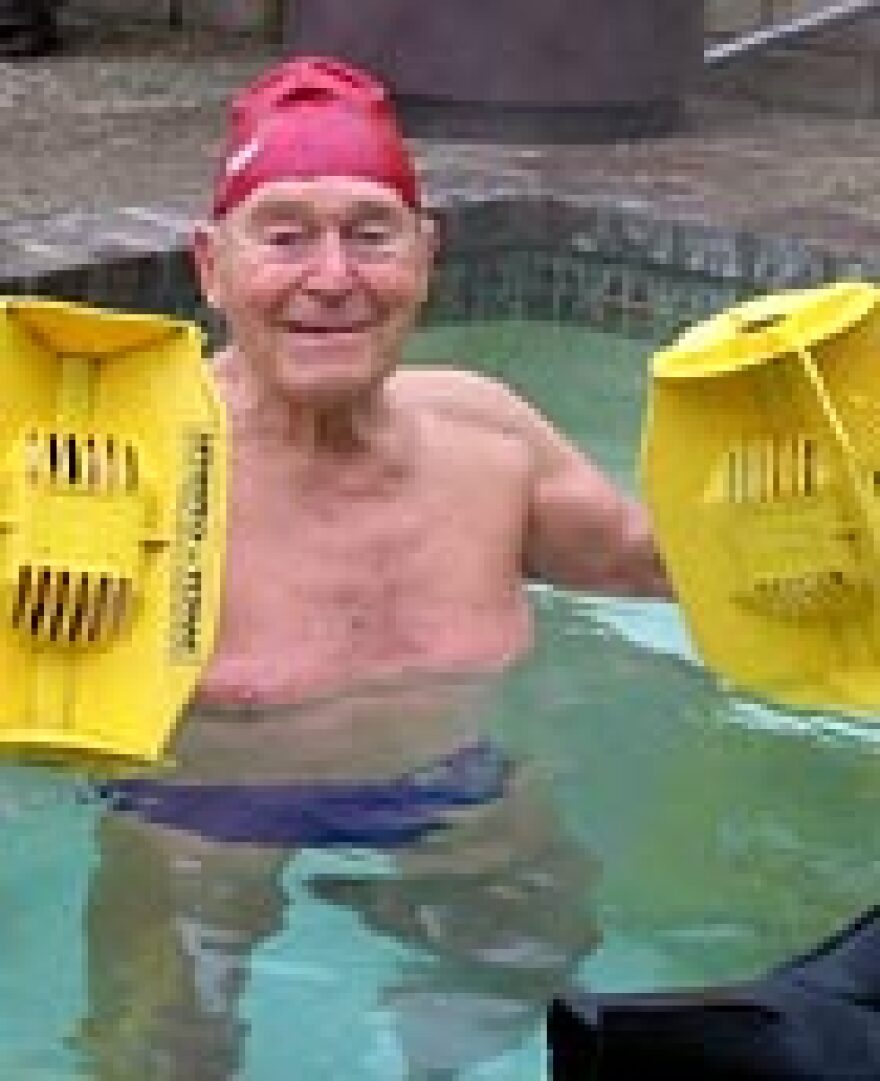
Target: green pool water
[{"x": 660, "y": 832}]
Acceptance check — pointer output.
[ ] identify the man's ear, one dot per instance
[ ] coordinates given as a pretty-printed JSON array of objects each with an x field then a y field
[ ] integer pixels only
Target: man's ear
[
  {"x": 431, "y": 234},
  {"x": 428, "y": 242},
  {"x": 203, "y": 245}
]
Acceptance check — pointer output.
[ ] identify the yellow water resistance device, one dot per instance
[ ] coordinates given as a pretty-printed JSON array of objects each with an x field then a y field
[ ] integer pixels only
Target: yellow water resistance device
[
  {"x": 761, "y": 466},
  {"x": 112, "y": 522}
]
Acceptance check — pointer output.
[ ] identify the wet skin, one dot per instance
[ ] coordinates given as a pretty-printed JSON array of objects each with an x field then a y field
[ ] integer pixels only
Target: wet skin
[
  {"x": 382, "y": 520},
  {"x": 497, "y": 904}
]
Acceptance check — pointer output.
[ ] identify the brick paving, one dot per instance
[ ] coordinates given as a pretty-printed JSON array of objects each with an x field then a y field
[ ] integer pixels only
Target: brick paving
[{"x": 137, "y": 121}]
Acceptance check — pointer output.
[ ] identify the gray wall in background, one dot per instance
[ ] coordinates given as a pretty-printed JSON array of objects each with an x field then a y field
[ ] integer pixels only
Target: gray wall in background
[
  {"x": 243, "y": 15},
  {"x": 514, "y": 52}
]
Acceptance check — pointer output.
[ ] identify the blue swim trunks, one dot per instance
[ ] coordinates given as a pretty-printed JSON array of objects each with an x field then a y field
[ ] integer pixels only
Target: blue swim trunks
[{"x": 321, "y": 814}]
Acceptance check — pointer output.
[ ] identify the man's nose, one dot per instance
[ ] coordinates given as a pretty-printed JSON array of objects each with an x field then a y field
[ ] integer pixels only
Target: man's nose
[{"x": 329, "y": 267}]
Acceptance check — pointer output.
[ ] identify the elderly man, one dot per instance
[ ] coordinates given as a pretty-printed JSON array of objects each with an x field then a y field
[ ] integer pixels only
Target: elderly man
[
  {"x": 382, "y": 523},
  {"x": 382, "y": 519}
]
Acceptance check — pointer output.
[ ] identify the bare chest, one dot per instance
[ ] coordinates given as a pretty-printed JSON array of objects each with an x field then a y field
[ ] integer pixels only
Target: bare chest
[
  {"x": 357, "y": 559},
  {"x": 328, "y": 586}
]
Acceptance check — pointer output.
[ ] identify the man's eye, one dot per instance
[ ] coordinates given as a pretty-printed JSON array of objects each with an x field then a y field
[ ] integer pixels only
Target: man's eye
[
  {"x": 372, "y": 233},
  {"x": 286, "y": 238}
]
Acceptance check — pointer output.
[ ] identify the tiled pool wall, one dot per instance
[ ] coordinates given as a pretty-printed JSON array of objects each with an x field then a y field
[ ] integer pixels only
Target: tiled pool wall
[{"x": 610, "y": 266}]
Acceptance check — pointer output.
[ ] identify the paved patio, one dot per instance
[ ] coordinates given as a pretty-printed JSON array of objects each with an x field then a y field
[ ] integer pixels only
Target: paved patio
[{"x": 137, "y": 121}]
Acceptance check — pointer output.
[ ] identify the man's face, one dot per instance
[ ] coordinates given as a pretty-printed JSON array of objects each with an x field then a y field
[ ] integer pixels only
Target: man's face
[{"x": 320, "y": 281}]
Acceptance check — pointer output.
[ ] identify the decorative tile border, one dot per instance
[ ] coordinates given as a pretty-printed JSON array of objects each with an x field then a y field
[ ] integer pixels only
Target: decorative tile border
[{"x": 567, "y": 286}]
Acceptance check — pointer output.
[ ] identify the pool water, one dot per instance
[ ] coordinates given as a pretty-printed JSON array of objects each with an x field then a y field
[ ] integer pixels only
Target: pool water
[{"x": 657, "y": 831}]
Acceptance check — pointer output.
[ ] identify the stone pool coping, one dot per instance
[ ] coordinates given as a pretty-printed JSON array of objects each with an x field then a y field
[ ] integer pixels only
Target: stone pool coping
[{"x": 541, "y": 254}]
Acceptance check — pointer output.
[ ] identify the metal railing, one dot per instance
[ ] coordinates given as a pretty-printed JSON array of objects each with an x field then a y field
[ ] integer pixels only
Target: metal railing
[{"x": 756, "y": 41}]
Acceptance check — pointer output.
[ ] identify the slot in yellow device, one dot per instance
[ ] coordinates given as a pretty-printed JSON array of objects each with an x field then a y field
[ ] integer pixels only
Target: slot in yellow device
[
  {"x": 761, "y": 467},
  {"x": 112, "y": 526}
]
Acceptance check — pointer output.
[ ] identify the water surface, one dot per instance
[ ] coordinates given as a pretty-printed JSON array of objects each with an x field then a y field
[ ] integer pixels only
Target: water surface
[{"x": 654, "y": 830}]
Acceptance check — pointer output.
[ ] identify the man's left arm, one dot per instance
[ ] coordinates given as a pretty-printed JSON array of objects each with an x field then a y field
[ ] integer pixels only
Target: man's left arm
[{"x": 583, "y": 531}]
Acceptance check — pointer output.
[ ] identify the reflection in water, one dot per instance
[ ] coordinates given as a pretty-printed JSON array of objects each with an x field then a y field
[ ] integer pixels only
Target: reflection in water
[
  {"x": 731, "y": 835},
  {"x": 170, "y": 924},
  {"x": 485, "y": 891},
  {"x": 728, "y": 838}
]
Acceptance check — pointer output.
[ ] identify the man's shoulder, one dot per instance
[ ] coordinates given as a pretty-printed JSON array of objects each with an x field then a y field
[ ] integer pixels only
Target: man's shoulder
[
  {"x": 469, "y": 412},
  {"x": 457, "y": 393}
]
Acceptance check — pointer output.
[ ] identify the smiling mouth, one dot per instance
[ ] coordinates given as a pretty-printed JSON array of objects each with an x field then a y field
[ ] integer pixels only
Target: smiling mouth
[{"x": 328, "y": 328}]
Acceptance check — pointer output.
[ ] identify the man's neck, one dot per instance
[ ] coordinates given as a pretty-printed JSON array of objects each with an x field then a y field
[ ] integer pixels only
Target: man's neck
[{"x": 361, "y": 434}]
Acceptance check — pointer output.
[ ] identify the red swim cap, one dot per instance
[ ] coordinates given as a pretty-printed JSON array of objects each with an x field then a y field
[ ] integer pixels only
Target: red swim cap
[{"x": 308, "y": 118}]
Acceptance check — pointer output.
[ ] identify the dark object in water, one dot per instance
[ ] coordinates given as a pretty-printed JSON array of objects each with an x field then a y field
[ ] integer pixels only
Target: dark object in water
[
  {"x": 816, "y": 1018},
  {"x": 27, "y": 28}
]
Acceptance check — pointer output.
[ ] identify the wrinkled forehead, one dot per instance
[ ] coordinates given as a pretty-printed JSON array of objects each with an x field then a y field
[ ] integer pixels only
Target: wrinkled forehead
[{"x": 330, "y": 197}]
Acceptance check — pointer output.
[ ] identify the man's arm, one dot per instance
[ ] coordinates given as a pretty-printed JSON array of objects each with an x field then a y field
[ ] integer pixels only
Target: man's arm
[{"x": 582, "y": 532}]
